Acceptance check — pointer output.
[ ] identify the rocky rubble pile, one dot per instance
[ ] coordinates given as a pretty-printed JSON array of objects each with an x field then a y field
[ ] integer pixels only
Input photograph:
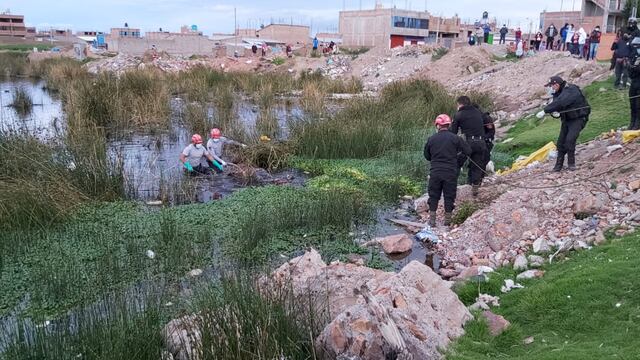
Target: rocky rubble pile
[
  {"x": 548, "y": 213},
  {"x": 336, "y": 66},
  {"x": 122, "y": 62},
  {"x": 363, "y": 308},
  {"x": 506, "y": 80}
]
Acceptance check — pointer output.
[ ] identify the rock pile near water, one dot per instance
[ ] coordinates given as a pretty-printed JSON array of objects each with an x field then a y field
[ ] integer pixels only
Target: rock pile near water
[{"x": 370, "y": 314}]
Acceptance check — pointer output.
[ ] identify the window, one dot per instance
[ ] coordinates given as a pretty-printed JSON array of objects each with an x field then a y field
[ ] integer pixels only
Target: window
[{"x": 410, "y": 23}]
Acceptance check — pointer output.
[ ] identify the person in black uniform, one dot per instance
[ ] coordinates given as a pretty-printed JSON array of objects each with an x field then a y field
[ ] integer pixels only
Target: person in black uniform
[
  {"x": 573, "y": 109},
  {"x": 632, "y": 30},
  {"x": 469, "y": 120},
  {"x": 442, "y": 151},
  {"x": 489, "y": 134},
  {"x": 634, "y": 90}
]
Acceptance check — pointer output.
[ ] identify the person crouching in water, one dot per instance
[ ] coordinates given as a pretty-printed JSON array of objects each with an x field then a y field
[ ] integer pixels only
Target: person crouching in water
[
  {"x": 216, "y": 145},
  {"x": 442, "y": 150},
  {"x": 191, "y": 157}
]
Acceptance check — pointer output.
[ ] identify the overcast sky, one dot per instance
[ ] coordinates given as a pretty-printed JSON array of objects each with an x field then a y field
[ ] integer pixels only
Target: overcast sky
[{"x": 218, "y": 16}]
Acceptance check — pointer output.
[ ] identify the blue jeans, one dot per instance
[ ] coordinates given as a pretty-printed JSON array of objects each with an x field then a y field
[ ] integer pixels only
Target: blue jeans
[{"x": 593, "y": 51}]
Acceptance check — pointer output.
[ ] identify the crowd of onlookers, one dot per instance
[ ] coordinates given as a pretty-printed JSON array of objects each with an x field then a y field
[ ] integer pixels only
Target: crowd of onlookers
[{"x": 577, "y": 41}]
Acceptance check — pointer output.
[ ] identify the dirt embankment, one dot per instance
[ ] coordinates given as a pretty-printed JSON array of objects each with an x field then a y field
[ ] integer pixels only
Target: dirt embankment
[
  {"x": 534, "y": 210},
  {"x": 517, "y": 87}
]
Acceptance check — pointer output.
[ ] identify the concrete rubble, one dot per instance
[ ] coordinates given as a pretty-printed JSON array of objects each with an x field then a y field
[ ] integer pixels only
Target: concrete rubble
[
  {"x": 418, "y": 305},
  {"x": 535, "y": 211}
]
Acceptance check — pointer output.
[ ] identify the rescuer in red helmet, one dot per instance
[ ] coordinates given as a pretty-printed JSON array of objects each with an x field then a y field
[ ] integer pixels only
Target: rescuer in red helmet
[
  {"x": 441, "y": 151},
  {"x": 192, "y": 156},
  {"x": 216, "y": 145}
]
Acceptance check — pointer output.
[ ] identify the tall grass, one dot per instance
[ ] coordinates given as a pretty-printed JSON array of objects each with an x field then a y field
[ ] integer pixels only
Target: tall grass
[
  {"x": 13, "y": 64},
  {"x": 313, "y": 98},
  {"x": 135, "y": 100},
  {"x": 367, "y": 128},
  {"x": 399, "y": 120},
  {"x": 311, "y": 210},
  {"x": 235, "y": 318},
  {"x": 41, "y": 183},
  {"x": 242, "y": 320},
  {"x": 22, "y": 102}
]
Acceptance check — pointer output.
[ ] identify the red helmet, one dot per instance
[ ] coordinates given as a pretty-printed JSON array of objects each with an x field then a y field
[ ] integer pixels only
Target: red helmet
[
  {"x": 196, "y": 139},
  {"x": 216, "y": 133},
  {"x": 443, "y": 119}
]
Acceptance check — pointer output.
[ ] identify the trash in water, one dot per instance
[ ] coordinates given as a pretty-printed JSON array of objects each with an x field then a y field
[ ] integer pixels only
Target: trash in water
[{"x": 427, "y": 235}]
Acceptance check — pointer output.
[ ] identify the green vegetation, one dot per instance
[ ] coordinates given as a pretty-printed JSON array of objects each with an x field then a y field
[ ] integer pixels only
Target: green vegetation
[
  {"x": 585, "y": 307},
  {"x": 12, "y": 64},
  {"x": 25, "y": 47},
  {"x": 610, "y": 110},
  {"x": 464, "y": 211},
  {"x": 278, "y": 61},
  {"x": 102, "y": 248},
  {"x": 237, "y": 319},
  {"x": 354, "y": 52},
  {"x": 41, "y": 184},
  {"x": 439, "y": 53}
]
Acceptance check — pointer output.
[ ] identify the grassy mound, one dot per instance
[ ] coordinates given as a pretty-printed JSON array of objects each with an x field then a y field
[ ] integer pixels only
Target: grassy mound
[{"x": 585, "y": 307}]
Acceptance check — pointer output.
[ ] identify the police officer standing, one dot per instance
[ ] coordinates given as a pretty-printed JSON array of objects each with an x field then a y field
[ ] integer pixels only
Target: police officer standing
[
  {"x": 469, "y": 120},
  {"x": 573, "y": 109},
  {"x": 632, "y": 30},
  {"x": 442, "y": 151},
  {"x": 634, "y": 90}
]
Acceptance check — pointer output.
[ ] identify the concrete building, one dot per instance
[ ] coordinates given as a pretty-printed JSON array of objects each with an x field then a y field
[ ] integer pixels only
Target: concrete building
[
  {"x": 291, "y": 34},
  {"x": 124, "y": 32},
  {"x": 604, "y": 13},
  {"x": 392, "y": 27},
  {"x": 12, "y": 26}
]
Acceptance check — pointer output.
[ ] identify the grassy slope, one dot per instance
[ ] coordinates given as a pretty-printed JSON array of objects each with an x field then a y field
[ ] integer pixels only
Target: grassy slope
[
  {"x": 610, "y": 110},
  {"x": 571, "y": 312}
]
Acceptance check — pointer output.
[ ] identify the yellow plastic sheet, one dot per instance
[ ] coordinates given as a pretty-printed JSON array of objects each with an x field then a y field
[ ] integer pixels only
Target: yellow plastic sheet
[
  {"x": 630, "y": 135},
  {"x": 539, "y": 155}
]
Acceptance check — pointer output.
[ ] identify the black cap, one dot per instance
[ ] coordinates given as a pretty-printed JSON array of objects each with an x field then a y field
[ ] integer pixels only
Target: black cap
[{"x": 555, "y": 80}]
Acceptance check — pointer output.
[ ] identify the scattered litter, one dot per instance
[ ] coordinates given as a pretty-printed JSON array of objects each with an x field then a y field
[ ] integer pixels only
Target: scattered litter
[
  {"x": 427, "y": 235},
  {"x": 150, "y": 254},
  {"x": 195, "y": 272},
  {"x": 529, "y": 340},
  {"x": 510, "y": 285}
]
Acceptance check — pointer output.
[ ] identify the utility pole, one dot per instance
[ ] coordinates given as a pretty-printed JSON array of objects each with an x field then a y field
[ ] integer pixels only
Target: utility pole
[{"x": 235, "y": 26}]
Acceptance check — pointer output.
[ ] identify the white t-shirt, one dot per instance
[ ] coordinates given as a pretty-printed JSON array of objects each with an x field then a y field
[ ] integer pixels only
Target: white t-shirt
[{"x": 195, "y": 154}]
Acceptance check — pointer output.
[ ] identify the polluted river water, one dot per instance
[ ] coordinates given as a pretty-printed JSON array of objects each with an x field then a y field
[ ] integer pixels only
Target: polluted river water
[{"x": 151, "y": 164}]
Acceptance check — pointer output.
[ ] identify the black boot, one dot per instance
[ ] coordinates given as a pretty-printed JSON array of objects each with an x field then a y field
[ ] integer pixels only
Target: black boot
[
  {"x": 447, "y": 218},
  {"x": 571, "y": 161},
  {"x": 559, "y": 163},
  {"x": 432, "y": 218}
]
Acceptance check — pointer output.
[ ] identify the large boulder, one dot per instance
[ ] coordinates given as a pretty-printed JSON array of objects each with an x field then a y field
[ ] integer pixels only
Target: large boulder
[
  {"x": 427, "y": 314},
  {"x": 329, "y": 286},
  {"x": 396, "y": 244}
]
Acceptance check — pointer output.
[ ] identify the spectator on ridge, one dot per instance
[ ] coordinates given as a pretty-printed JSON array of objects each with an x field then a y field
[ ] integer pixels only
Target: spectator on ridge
[
  {"x": 551, "y": 34},
  {"x": 563, "y": 36},
  {"x": 503, "y": 34},
  {"x": 594, "y": 43},
  {"x": 538, "y": 40}
]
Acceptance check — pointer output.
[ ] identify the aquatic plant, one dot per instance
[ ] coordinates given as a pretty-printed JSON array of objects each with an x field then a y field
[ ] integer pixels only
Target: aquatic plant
[{"x": 22, "y": 102}]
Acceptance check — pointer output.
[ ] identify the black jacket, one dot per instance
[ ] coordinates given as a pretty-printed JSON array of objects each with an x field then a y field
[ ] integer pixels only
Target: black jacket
[
  {"x": 551, "y": 32},
  {"x": 469, "y": 120},
  {"x": 621, "y": 48},
  {"x": 570, "y": 102},
  {"x": 504, "y": 30},
  {"x": 442, "y": 150},
  {"x": 634, "y": 66},
  {"x": 489, "y": 127}
]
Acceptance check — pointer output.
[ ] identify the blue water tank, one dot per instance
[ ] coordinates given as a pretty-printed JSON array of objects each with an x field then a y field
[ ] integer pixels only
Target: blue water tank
[
  {"x": 100, "y": 39},
  {"x": 194, "y": 27}
]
